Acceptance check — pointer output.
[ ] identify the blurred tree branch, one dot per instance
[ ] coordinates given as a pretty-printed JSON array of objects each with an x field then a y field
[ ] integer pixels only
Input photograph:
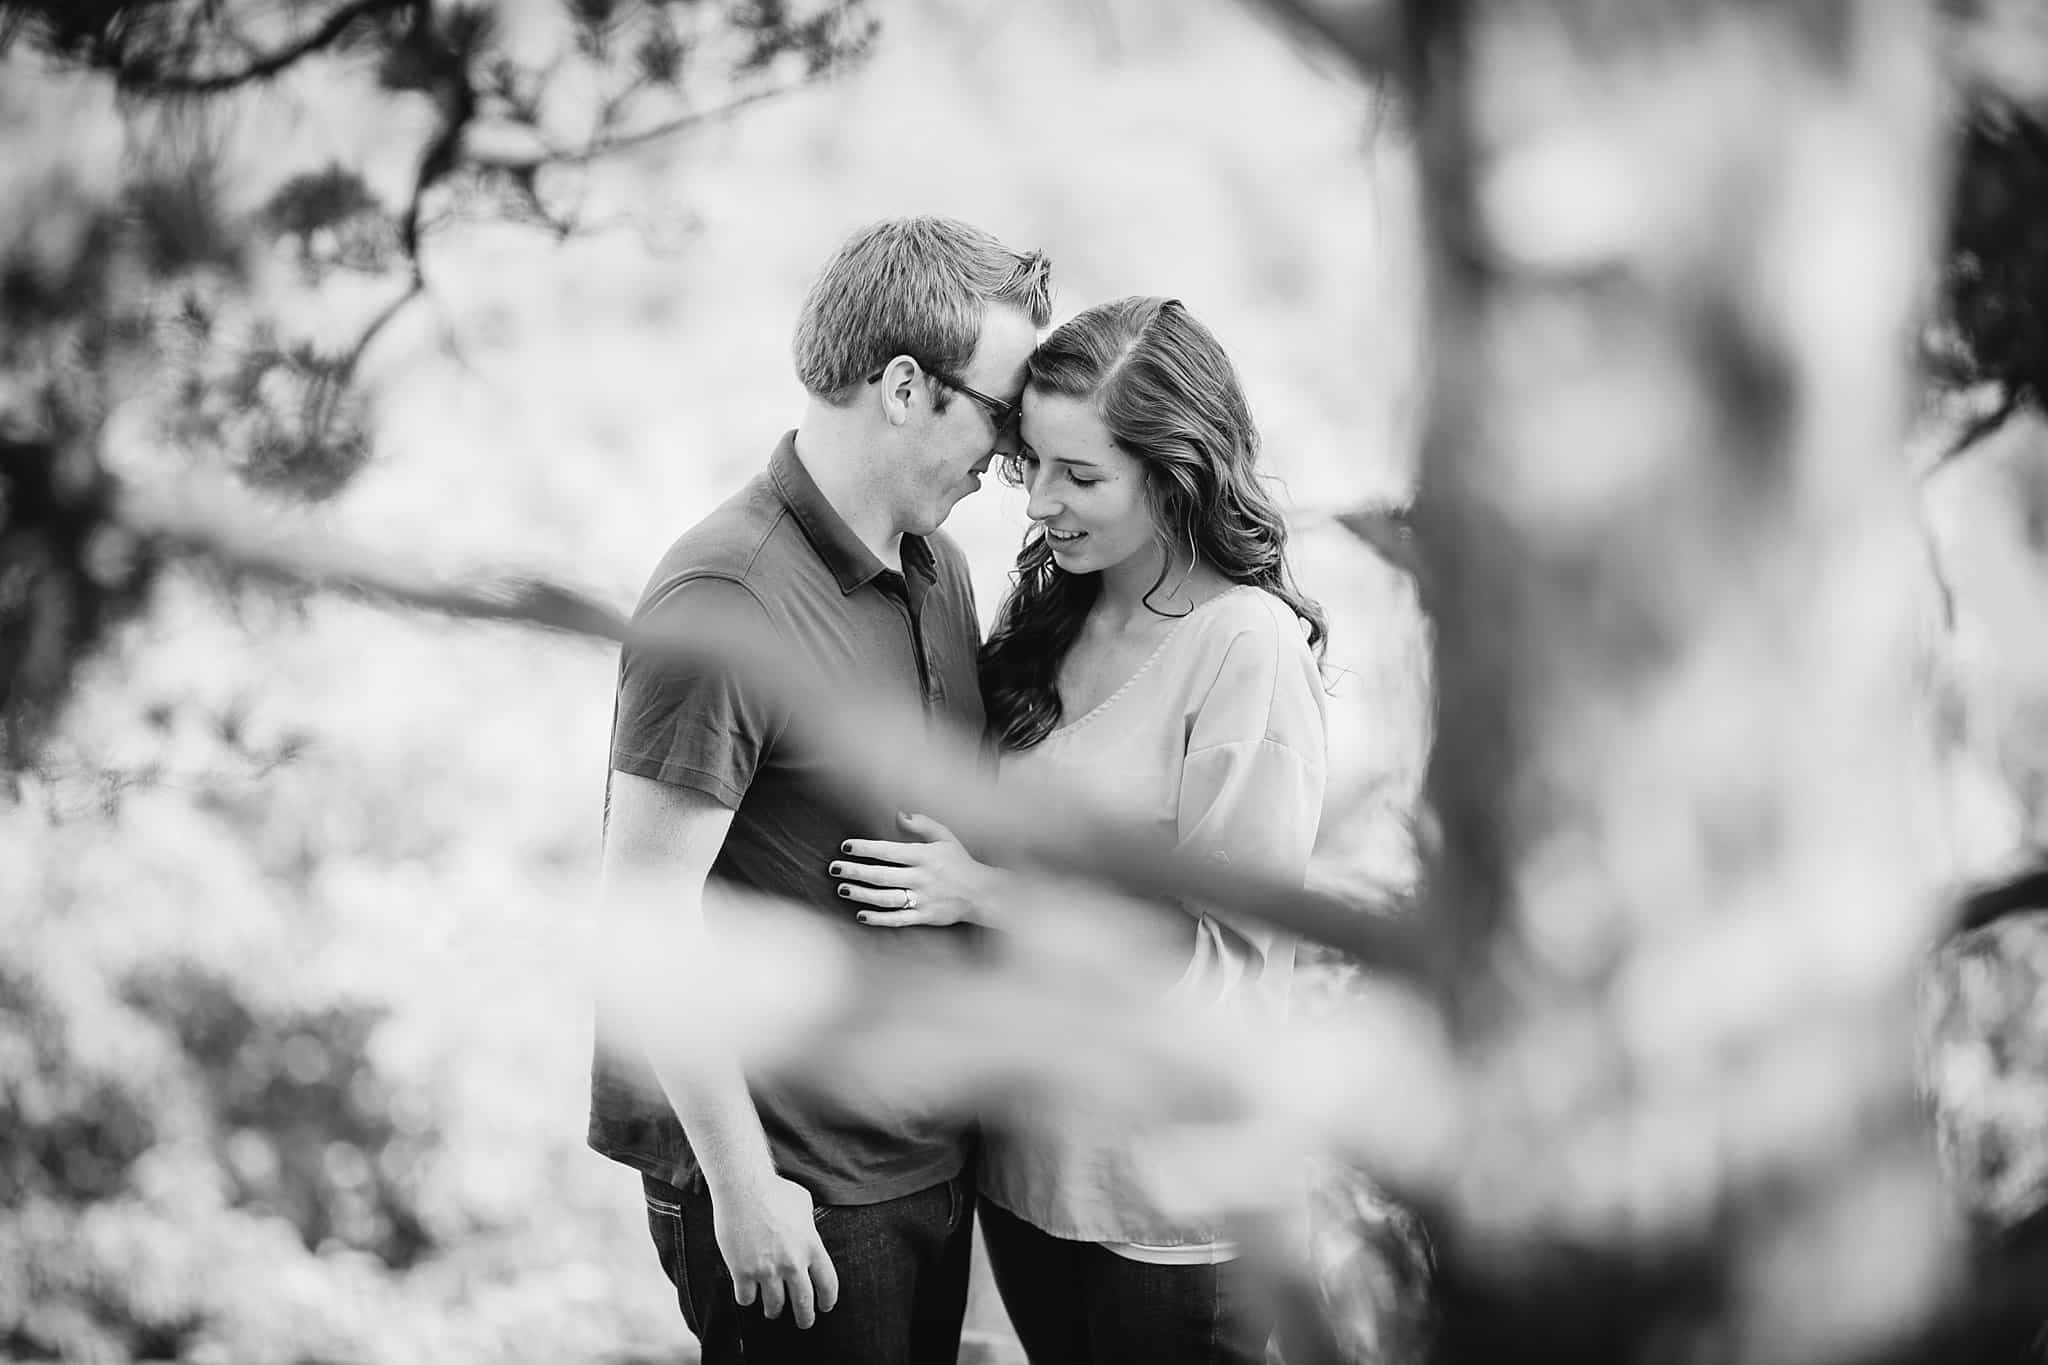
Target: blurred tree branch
[
  {"x": 146, "y": 301},
  {"x": 497, "y": 130},
  {"x": 865, "y": 736},
  {"x": 2020, "y": 892},
  {"x": 142, "y": 74},
  {"x": 533, "y": 157}
]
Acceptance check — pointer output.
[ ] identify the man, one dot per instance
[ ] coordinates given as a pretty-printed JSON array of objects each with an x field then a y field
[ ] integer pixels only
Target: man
[{"x": 794, "y": 1230}]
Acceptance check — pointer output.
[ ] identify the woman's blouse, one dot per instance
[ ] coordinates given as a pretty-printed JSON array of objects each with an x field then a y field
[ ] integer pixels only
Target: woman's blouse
[{"x": 1216, "y": 743}]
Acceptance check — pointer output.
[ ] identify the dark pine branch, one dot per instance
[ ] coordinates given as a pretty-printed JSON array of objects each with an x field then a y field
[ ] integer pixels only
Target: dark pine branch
[
  {"x": 446, "y": 75},
  {"x": 414, "y": 290},
  {"x": 144, "y": 77},
  {"x": 609, "y": 145},
  {"x": 2022, "y": 893},
  {"x": 2008, "y": 404}
]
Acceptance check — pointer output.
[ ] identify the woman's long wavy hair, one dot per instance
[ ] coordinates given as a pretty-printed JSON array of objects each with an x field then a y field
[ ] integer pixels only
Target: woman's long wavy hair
[{"x": 1171, "y": 399}]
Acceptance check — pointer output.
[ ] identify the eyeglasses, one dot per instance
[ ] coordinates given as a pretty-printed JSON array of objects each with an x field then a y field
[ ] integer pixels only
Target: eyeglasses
[{"x": 1004, "y": 415}]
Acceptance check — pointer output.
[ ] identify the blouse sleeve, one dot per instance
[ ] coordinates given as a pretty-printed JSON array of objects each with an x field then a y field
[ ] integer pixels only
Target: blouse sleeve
[{"x": 1251, "y": 796}]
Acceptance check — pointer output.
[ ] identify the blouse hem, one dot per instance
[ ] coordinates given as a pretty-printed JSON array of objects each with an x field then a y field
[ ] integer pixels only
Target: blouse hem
[{"x": 1153, "y": 1236}]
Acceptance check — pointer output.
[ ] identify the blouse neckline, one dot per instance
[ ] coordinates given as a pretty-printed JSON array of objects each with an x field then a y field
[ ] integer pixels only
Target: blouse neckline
[{"x": 1150, "y": 659}]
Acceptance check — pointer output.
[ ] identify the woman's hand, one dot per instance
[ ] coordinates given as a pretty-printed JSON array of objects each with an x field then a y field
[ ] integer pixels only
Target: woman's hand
[{"x": 932, "y": 880}]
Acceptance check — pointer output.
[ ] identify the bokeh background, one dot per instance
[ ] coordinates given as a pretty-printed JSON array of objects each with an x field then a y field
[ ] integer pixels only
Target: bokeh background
[
  {"x": 296, "y": 890},
  {"x": 292, "y": 1066}
]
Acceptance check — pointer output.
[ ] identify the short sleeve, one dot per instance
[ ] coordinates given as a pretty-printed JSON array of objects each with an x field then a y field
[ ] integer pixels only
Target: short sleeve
[
  {"x": 696, "y": 727},
  {"x": 1251, "y": 793}
]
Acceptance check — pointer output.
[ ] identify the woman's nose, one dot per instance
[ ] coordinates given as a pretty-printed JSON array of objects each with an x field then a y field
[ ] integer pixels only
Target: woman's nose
[{"x": 1041, "y": 506}]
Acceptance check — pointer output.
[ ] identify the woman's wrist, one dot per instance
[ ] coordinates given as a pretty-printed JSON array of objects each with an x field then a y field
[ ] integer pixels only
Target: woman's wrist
[{"x": 991, "y": 897}]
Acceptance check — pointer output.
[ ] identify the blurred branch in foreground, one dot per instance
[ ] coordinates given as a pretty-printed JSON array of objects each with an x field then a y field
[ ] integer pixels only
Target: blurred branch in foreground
[
  {"x": 868, "y": 741},
  {"x": 2024, "y": 891}
]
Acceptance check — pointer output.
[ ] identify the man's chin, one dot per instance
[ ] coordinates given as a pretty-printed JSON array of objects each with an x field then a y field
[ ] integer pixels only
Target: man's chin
[{"x": 943, "y": 510}]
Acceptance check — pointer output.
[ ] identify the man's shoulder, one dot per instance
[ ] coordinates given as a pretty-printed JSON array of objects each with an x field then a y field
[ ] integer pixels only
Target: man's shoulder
[{"x": 729, "y": 544}]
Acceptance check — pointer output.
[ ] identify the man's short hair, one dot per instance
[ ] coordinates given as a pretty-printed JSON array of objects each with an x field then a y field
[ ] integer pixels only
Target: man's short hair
[{"x": 910, "y": 286}]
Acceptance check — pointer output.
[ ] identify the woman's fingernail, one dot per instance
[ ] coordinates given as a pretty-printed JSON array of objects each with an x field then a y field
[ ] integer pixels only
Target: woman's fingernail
[
  {"x": 843, "y": 891},
  {"x": 846, "y": 847},
  {"x": 863, "y": 919},
  {"x": 834, "y": 869}
]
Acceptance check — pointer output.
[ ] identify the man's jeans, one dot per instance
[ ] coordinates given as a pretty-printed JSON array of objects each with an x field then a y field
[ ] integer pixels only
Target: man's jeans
[
  {"x": 1078, "y": 1303},
  {"x": 902, "y": 1268}
]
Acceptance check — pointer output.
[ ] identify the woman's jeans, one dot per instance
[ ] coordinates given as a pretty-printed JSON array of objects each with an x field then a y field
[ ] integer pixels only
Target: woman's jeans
[
  {"x": 902, "y": 1268},
  {"x": 1077, "y": 1303}
]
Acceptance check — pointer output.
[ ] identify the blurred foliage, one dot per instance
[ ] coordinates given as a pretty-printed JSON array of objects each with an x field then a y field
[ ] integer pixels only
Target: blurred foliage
[
  {"x": 1374, "y": 1270},
  {"x": 1984, "y": 1010},
  {"x": 1990, "y": 333},
  {"x": 1993, "y": 328},
  {"x": 204, "y": 1156},
  {"x": 278, "y": 1113},
  {"x": 333, "y": 221},
  {"x": 302, "y": 1124},
  {"x": 143, "y": 304},
  {"x": 180, "y": 1139},
  {"x": 205, "y": 1163},
  {"x": 68, "y": 572},
  {"x": 249, "y": 1108}
]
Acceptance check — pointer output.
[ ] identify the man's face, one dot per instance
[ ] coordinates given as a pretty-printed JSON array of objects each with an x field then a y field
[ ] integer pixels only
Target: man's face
[{"x": 955, "y": 447}]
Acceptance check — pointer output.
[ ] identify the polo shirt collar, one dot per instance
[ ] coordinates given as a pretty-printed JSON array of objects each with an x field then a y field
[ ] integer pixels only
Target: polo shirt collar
[{"x": 850, "y": 561}]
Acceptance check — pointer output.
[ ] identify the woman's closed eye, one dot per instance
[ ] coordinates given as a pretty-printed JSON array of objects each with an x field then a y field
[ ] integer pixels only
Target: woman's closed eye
[{"x": 1021, "y": 470}]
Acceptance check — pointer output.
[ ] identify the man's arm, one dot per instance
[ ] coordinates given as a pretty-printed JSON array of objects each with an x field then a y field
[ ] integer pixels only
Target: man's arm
[{"x": 668, "y": 836}]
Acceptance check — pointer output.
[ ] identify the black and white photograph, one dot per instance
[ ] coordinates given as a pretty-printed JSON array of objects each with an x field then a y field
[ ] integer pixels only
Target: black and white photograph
[{"x": 1023, "y": 682}]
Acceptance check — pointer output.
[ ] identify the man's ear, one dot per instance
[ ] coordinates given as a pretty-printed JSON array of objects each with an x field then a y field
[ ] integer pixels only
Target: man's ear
[{"x": 899, "y": 389}]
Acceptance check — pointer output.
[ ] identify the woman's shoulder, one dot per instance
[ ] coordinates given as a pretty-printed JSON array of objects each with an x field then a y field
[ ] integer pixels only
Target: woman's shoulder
[
  {"x": 1250, "y": 672},
  {"x": 1247, "y": 612},
  {"x": 1248, "y": 639}
]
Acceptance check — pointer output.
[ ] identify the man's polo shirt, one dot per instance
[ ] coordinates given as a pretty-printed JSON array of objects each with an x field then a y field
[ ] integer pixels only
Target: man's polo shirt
[{"x": 777, "y": 553}]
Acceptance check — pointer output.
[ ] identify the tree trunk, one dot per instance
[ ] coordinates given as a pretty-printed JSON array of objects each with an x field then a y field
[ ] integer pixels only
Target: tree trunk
[{"x": 1686, "y": 868}]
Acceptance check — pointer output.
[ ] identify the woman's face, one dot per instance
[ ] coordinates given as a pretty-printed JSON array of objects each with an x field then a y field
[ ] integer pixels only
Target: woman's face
[{"x": 1088, "y": 494}]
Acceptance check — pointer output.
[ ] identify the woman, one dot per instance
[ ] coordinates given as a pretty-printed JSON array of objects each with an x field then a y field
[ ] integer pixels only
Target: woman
[{"x": 1153, "y": 650}]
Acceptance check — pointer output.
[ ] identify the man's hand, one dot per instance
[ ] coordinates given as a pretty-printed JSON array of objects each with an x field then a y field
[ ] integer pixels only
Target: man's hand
[
  {"x": 770, "y": 1243},
  {"x": 762, "y": 1222}
]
